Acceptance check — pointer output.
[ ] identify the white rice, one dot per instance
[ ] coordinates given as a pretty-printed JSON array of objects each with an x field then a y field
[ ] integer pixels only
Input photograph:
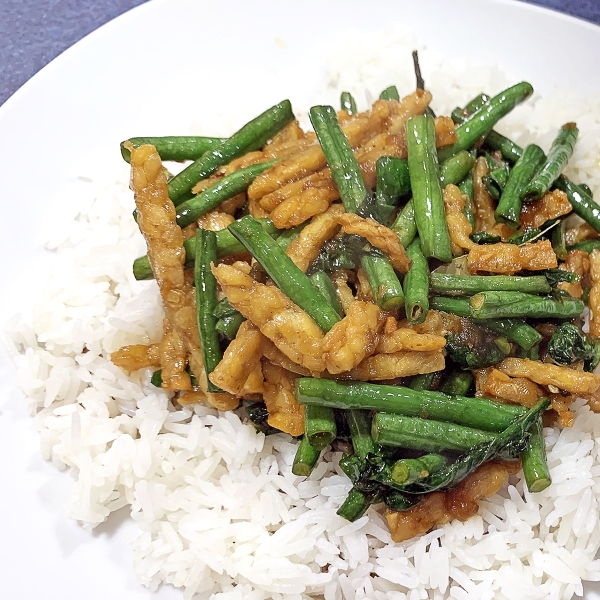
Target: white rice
[{"x": 219, "y": 512}]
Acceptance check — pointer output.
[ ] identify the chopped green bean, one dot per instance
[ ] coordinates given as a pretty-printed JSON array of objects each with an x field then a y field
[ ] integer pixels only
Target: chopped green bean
[
  {"x": 390, "y": 93},
  {"x": 383, "y": 280},
  {"x": 319, "y": 425},
  {"x": 467, "y": 285},
  {"x": 535, "y": 467},
  {"x": 177, "y": 148},
  {"x": 416, "y": 285},
  {"x": 305, "y": 459},
  {"x": 325, "y": 286},
  {"x": 494, "y": 305},
  {"x": 348, "y": 103}
]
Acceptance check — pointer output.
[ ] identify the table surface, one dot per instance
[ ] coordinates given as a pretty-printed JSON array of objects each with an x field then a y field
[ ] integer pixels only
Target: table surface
[{"x": 32, "y": 33}]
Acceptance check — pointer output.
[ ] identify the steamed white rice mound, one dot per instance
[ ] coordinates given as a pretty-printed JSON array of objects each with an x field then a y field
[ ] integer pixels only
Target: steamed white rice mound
[{"x": 220, "y": 513}]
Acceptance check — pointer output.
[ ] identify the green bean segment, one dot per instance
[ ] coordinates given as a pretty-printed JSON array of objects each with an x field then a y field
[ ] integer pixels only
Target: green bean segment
[
  {"x": 348, "y": 103},
  {"x": 493, "y": 305},
  {"x": 342, "y": 162},
  {"x": 222, "y": 190},
  {"x": 416, "y": 285},
  {"x": 467, "y": 285},
  {"x": 286, "y": 275},
  {"x": 177, "y": 148},
  {"x": 560, "y": 152},
  {"x": 383, "y": 280},
  {"x": 429, "y": 212},
  {"x": 535, "y": 467},
  {"x": 390, "y": 93},
  {"x": 471, "y": 412}
]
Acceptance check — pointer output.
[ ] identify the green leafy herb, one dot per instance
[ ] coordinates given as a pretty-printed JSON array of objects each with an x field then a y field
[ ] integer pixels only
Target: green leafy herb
[{"x": 569, "y": 344}]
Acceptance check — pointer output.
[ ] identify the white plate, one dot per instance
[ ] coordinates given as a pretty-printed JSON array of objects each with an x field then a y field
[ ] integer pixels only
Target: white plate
[{"x": 190, "y": 59}]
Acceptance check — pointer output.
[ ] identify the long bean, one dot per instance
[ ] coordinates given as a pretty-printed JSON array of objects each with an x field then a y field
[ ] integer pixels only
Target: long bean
[
  {"x": 383, "y": 280},
  {"x": 251, "y": 136},
  {"x": 583, "y": 204},
  {"x": 348, "y": 103},
  {"x": 422, "y": 382},
  {"x": 471, "y": 412},
  {"x": 454, "y": 306},
  {"x": 560, "y": 152},
  {"x": 206, "y": 302},
  {"x": 231, "y": 185},
  {"x": 416, "y": 284},
  {"x": 359, "y": 423},
  {"x": 408, "y": 470},
  {"x": 390, "y": 93},
  {"x": 319, "y": 425},
  {"x": 178, "y": 148},
  {"x": 509, "y": 207},
  {"x": 429, "y": 212},
  {"x": 456, "y": 168},
  {"x": 393, "y": 179},
  {"x": 323, "y": 283},
  {"x": 494, "y": 305},
  {"x": 467, "y": 285},
  {"x": 286, "y": 275},
  {"x": 515, "y": 330},
  {"x": 535, "y": 467},
  {"x": 342, "y": 162},
  {"x": 356, "y": 504},
  {"x": 424, "y": 434},
  {"x": 305, "y": 459},
  {"x": 457, "y": 383},
  {"x": 405, "y": 226},
  {"x": 483, "y": 120},
  {"x": 586, "y": 246}
]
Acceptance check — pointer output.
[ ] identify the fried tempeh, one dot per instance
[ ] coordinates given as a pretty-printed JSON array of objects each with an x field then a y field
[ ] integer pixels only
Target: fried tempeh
[
  {"x": 594, "y": 298},
  {"x": 484, "y": 204},
  {"x": 460, "y": 502},
  {"x": 396, "y": 364},
  {"x": 173, "y": 360},
  {"x": 284, "y": 411},
  {"x": 304, "y": 249},
  {"x": 518, "y": 390},
  {"x": 459, "y": 227},
  {"x": 576, "y": 261},
  {"x": 580, "y": 233},
  {"x": 508, "y": 259},
  {"x": 136, "y": 356},
  {"x": 552, "y": 205},
  {"x": 405, "y": 338},
  {"x": 278, "y": 318},
  {"x": 353, "y": 338},
  {"x": 548, "y": 374},
  {"x": 378, "y": 236},
  {"x": 239, "y": 360}
]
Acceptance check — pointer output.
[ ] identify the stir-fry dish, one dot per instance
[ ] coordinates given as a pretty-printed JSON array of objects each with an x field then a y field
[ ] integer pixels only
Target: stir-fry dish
[{"x": 407, "y": 287}]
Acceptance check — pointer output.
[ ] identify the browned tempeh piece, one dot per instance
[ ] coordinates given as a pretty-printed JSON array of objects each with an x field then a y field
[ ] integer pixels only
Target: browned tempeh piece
[
  {"x": 552, "y": 205},
  {"x": 278, "y": 318},
  {"x": 459, "y": 227},
  {"x": 137, "y": 356},
  {"x": 305, "y": 248},
  {"x": 379, "y": 236},
  {"x": 563, "y": 378},
  {"x": 405, "y": 338},
  {"x": 173, "y": 360},
  {"x": 460, "y": 502},
  {"x": 240, "y": 359},
  {"x": 353, "y": 338},
  {"x": 577, "y": 261},
  {"x": 409, "y": 106},
  {"x": 284, "y": 411},
  {"x": 518, "y": 390},
  {"x": 580, "y": 233},
  {"x": 484, "y": 204},
  {"x": 561, "y": 404},
  {"x": 157, "y": 222},
  {"x": 594, "y": 298},
  {"x": 508, "y": 259},
  {"x": 397, "y": 364}
]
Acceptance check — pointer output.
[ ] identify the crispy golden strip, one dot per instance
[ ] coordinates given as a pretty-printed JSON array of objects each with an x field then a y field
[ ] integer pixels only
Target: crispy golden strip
[
  {"x": 173, "y": 360},
  {"x": 304, "y": 249},
  {"x": 298, "y": 209},
  {"x": 578, "y": 262},
  {"x": 358, "y": 129},
  {"x": 518, "y": 390},
  {"x": 339, "y": 277},
  {"x": 364, "y": 291},
  {"x": 157, "y": 222},
  {"x": 254, "y": 385},
  {"x": 594, "y": 298},
  {"x": 404, "y": 338},
  {"x": 284, "y": 411},
  {"x": 460, "y": 503},
  {"x": 240, "y": 359},
  {"x": 409, "y": 106},
  {"x": 278, "y": 318},
  {"x": 508, "y": 259},
  {"x": 353, "y": 338},
  {"x": 445, "y": 132},
  {"x": 215, "y": 220},
  {"x": 580, "y": 233},
  {"x": 550, "y": 206},
  {"x": 547, "y": 374},
  {"x": 290, "y": 133},
  {"x": 277, "y": 357},
  {"x": 136, "y": 356},
  {"x": 377, "y": 235},
  {"x": 192, "y": 397},
  {"x": 396, "y": 364},
  {"x": 458, "y": 225},
  {"x": 561, "y": 404}
]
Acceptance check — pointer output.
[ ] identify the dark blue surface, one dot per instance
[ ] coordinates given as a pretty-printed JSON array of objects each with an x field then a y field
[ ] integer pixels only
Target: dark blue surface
[{"x": 33, "y": 32}]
